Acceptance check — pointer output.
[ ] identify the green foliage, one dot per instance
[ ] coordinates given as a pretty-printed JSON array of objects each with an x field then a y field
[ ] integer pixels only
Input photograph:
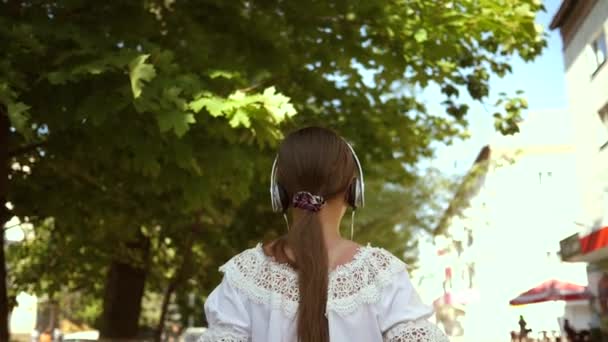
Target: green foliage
[
  {"x": 81, "y": 307},
  {"x": 140, "y": 71},
  {"x": 36, "y": 263},
  {"x": 156, "y": 116},
  {"x": 469, "y": 186}
]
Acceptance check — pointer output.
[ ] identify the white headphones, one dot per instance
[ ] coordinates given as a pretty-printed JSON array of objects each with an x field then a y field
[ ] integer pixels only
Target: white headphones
[{"x": 355, "y": 196}]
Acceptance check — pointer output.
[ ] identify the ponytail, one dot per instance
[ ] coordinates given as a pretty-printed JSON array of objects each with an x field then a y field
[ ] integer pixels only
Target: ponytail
[
  {"x": 313, "y": 165},
  {"x": 305, "y": 239}
]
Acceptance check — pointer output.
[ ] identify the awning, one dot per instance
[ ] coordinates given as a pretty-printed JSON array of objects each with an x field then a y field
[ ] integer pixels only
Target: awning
[
  {"x": 552, "y": 290},
  {"x": 588, "y": 248}
]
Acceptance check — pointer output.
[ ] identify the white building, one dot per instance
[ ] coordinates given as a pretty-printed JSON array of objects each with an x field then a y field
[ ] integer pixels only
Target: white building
[
  {"x": 583, "y": 26},
  {"x": 502, "y": 230}
]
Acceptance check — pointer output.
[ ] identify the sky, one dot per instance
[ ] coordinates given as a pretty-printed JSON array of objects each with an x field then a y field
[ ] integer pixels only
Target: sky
[{"x": 542, "y": 80}]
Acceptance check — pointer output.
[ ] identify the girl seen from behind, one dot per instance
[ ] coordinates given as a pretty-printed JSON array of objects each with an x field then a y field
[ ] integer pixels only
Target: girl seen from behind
[{"x": 313, "y": 285}]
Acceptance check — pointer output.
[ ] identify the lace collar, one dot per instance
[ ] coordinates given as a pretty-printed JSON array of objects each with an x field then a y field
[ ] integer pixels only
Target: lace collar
[{"x": 360, "y": 281}]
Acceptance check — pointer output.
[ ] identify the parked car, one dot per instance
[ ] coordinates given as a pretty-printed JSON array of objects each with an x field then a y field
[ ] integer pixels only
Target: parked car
[
  {"x": 192, "y": 334},
  {"x": 82, "y": 336}
]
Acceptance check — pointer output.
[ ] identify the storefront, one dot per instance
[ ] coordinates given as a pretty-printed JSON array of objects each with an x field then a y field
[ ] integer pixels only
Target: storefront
[{"x": 592, "y": 248}]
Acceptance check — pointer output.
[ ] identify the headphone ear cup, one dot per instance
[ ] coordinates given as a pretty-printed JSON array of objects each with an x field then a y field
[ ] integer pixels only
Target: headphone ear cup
[
  {"x": 351, "y": 197},
  {"x": 283, "y": 197}
]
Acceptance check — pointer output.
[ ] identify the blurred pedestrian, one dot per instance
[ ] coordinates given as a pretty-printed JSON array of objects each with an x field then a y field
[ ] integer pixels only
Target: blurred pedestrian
[
  {"x": 570, "y": 332},
  {"x": 35, "y": 335},
  {"x": 46, "y": 336},
  {"x": 57, "y": 335},
  {"x": 523, "y": 330}
]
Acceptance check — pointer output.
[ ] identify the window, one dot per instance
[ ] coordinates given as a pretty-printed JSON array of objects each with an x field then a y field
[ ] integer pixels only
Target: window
[
  {"x": 599, "y": 52},
  {"x": 548, "y": 175},
  {"x": 603, "y": 113}
]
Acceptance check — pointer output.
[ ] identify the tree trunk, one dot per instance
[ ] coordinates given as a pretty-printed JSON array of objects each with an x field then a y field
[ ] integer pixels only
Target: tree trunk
[
  {"x": 182, "y": 273},
  {"x": 165, "y": 306},
  {"x": 123, "y": 295},
  {"x": 53, "y": 314},
  {"x": 4, "y": 216}
]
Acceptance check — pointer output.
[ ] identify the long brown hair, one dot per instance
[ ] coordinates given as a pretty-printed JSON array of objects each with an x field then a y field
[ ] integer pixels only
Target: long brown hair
[{"x": 318, "y": 161}]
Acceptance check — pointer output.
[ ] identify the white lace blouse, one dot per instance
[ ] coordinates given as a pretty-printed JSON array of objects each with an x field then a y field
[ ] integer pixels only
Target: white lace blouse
[{"x": 370, "y": 299}]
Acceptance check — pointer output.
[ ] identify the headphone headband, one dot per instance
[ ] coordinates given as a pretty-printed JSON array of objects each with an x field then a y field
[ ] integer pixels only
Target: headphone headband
[
  {"x": 275, "y": 196},
  {"x": 360, "y": 183}
]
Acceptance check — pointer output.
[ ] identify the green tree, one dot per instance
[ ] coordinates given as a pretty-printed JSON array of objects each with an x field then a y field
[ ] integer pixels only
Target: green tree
[{"x": 122, "y": 117}]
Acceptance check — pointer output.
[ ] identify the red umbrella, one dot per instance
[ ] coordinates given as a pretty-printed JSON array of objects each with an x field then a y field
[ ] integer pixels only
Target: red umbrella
[{"x": 552, "y": 290}]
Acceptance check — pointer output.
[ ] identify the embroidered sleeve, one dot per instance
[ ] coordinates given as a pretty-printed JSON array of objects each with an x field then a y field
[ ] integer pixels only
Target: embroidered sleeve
[
  {"x": 415, "y": 331},
  {"x": 227, "y": 313}
]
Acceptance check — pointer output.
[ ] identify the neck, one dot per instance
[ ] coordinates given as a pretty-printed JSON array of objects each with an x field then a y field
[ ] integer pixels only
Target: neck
[
  {"x": 331, "y": 228},
  {"x": 331, "y": 217}
]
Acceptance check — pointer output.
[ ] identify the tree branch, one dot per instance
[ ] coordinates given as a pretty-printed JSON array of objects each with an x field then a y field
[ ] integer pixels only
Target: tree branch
[
  {"x": 25, "y": 149},
  {"x": 262, "y": 83}
]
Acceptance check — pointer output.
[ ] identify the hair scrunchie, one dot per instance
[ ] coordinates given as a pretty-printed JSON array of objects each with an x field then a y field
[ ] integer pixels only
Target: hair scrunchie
[{"x": 307, "y": 201}]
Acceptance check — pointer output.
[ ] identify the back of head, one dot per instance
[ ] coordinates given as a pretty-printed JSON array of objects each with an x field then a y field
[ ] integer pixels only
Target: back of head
[{"x": 317, "y": 161}]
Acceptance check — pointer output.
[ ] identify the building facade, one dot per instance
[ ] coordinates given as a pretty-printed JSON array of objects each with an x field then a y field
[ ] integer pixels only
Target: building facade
[
  {"x": 500, "y": 236},
  {"x": 583, "y": 26}
]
